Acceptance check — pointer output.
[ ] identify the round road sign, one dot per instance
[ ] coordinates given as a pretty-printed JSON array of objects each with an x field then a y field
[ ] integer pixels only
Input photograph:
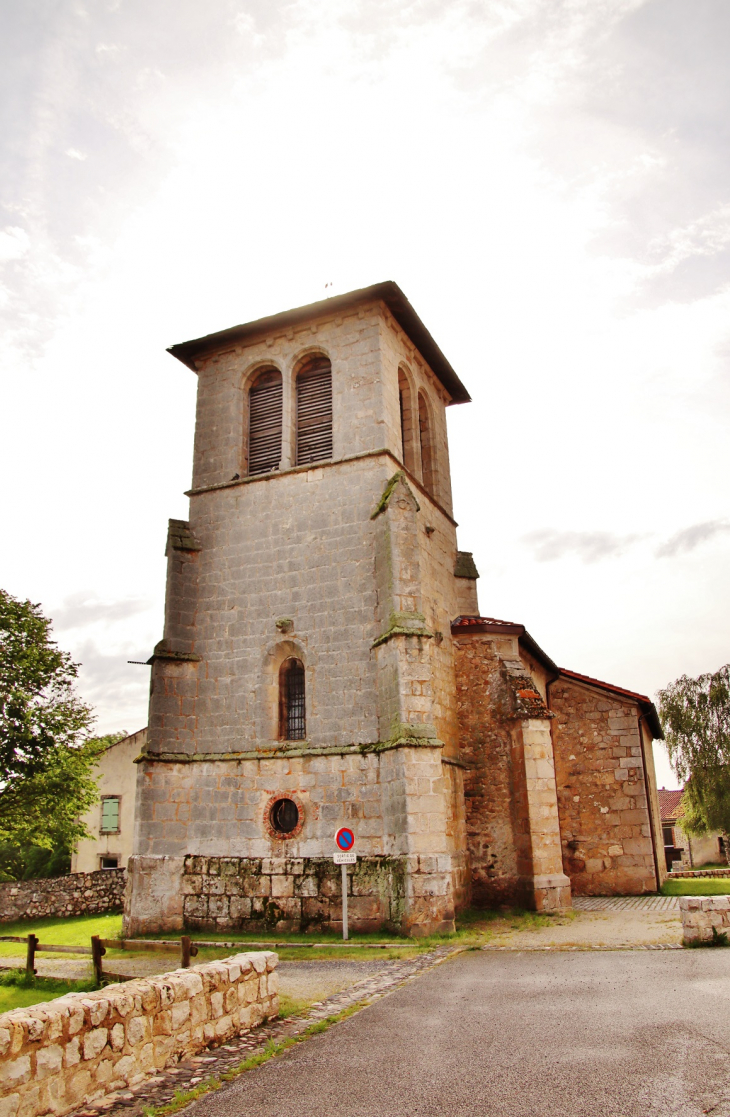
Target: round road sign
[{"x": 344, "y": 838}]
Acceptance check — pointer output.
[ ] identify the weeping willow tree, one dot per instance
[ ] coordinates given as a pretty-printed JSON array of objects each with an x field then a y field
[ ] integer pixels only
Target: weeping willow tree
[{"x": 695, "y": 714}]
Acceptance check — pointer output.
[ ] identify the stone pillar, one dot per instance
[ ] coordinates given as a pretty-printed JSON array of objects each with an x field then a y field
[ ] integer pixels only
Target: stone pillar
[
  {"x": 549, "y": 886},
  {"x": 153, "y": 901}
]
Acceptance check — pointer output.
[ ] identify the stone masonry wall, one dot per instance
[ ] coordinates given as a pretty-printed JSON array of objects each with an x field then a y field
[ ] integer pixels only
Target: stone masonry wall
[
  {"x": 289, "y": 894},
  {"x": 58, "y": 1056},
  {"x": 703, "y": 915},
  {"x": 497, "y": 839},
  {"x": 602, "y": 792},
  {"x": 74, "y": 894}
]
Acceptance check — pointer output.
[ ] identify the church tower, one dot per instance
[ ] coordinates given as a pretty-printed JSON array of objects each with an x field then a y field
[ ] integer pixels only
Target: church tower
[{"x": 306, "y": 678}]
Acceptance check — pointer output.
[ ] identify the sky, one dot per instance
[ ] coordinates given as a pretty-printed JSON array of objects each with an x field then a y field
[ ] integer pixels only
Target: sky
[{"x": 548, "y": 182}]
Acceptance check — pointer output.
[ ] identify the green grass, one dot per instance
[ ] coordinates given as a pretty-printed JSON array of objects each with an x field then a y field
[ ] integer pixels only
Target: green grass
[
  {"x": 697, "y": 886},
  {"x": 61, "y": 932},
  {"x": 19, "y": 991},
  {"x": 472, "y": 928}
]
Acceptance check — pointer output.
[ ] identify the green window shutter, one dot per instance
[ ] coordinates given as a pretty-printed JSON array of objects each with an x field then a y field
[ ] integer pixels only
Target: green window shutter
[{"x": 110, "y": 814}]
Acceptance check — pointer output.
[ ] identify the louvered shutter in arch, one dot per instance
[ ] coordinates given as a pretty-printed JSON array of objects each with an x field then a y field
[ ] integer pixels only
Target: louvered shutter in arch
[
  {"x": 314, "y": 411},
  {"x": 264, "y": 422}
]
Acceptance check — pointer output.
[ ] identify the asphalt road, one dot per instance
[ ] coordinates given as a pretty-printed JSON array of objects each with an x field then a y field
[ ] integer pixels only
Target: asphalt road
[{"x": 610, "y": 1034}]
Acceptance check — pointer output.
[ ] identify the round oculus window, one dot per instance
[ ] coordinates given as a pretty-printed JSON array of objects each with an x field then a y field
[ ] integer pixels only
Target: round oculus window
[{"x": 284, "y": 816}]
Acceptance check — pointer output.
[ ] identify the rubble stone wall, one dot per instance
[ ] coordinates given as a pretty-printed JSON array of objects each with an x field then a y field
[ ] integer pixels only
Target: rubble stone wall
[
  {"x": 74, "y": 894},
  {"x": 701, "y": 915},
  {"x": 602, "y": 792},
  {"x": 58, "y": 1056},
  {"x": 497, "y": 836}
]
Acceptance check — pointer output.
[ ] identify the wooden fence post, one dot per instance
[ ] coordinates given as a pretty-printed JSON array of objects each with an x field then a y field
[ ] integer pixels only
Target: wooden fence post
[
  {"x": 188, "y": 950},
  {"x": 97, "y": 953},
  {"x": 30, "y": 955}
]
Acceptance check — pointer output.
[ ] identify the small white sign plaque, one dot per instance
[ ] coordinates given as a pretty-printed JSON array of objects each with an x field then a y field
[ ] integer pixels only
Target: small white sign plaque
[{"x": 345, "y": 857}]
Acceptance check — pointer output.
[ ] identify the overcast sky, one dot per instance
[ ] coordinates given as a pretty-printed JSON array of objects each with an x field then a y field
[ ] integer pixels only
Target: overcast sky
[{"x": 547, "y": 180}]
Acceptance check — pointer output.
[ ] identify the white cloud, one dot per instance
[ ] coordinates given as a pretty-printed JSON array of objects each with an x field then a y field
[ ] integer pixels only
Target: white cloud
[
  {"x": 535, "y": 175},
  {"x": 14, "y": 243}
]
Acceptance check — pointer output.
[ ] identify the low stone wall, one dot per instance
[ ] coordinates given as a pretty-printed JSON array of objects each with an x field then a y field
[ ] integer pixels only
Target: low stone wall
[
  {"x": 73, "y": 894},
  {"x": 700, "y": 914},
  {"x": 57, "y": 1056},
  {"x": 702, "y": 872},
  {"x": 259, "y": 894}
]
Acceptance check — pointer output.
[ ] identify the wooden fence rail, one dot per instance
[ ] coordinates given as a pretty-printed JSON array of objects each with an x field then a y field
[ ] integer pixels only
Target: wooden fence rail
[
  {"x": 33, "y": 946},
  {"x": 185, "y": 947}
]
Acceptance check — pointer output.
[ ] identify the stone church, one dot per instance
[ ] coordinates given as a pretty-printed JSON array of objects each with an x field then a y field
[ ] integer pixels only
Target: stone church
[{"x": 324, "y": 663}]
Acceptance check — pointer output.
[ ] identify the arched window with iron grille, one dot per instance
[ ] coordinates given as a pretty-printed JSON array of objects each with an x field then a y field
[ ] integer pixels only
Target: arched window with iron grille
[
  {"x": 264, "y": 422},
  {"x": 292, "y": 716},
  {"x": 314, "y": 411}
]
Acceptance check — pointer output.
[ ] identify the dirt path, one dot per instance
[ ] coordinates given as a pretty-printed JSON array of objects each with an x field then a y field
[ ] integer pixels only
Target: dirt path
[{"x": 603, "y": 928}]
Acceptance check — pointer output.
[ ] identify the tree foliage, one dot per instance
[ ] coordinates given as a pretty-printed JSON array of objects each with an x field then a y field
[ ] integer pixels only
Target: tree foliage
[
  {"x": 46, "y": 754},
  {"x": 696, "y": 718}
]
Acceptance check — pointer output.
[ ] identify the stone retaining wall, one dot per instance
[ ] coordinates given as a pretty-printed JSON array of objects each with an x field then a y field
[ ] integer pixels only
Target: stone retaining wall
[
  {"x": 700, "y": 914},
  {"x": 298, "y": 893},
  {"x": 73, "y": 894},
  {"x": 57, "y": 1056},
  {"x": 702, "y": 873}
]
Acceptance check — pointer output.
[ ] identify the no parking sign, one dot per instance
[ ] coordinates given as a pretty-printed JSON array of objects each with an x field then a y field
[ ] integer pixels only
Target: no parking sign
[{"x": 344, "y": 855}]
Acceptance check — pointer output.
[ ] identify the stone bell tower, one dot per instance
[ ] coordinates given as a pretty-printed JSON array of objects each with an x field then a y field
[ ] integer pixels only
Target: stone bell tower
[{"x": 305, "y": 679}]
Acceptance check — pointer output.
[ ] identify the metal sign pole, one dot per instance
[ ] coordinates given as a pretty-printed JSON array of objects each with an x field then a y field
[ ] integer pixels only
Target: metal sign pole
[{"x": 344, "y": 902}]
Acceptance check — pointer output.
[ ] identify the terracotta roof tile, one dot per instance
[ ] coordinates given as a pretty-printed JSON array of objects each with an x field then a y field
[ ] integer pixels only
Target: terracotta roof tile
[{"x": 670, "y": 804}]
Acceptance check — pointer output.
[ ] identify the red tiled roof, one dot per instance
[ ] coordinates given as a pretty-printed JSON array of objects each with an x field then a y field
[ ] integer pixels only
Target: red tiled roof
[
  {"x": 466, "y": 622},
  {"x": 492, "y": 625},
  {"x": 670, "y": 804},
  {"x": 462, "y": 625},
  {"x": 648, "y": 708},
  {"x": 604, "y": 686}
]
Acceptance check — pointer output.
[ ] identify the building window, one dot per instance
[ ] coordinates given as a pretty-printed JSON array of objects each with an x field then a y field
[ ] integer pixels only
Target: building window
[
  {"x": 108, "y": 862},
  {"x": 668, "y": 833},
  {"x": 264, "y": 422},
  {"x": 284, "y": 816},
  {"x": 428, "y": 460},
  {"x": 110, "y": 814},
  {"x": 406, "y": 422},
  {"x": 292, "y": 719},
  {"x": 314, "y": 411}
]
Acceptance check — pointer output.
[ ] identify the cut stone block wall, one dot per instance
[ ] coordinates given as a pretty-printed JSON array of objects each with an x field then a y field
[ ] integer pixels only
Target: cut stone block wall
[
  {"x": 602, "y": 792},
  {"x": 258, "y": 894},
  {"x": 700, "y": 914},
  {"x": 74, "y": 894},
  {"x": 289, "y": 893},
  {"x": 57, "y": 1056}
]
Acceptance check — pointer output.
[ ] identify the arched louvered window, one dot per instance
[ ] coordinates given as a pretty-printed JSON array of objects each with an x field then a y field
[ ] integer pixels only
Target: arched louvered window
[
  {"x": 292, "y": 717},
  {"x": 406, "y": 421},
  {"x": 264, "y": 422},
  {"x": 314, "y": 411},
  {"x": 428, "y": 459}
]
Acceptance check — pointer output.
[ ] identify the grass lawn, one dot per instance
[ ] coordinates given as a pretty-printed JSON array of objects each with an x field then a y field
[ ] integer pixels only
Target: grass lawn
[
  {"x": 61, "y": 932},
  {"x": 16, "y": 991},
  {"x": 697, "y": 886}
]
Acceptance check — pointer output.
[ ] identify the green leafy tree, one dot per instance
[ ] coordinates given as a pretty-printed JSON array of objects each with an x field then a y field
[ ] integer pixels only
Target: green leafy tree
[
  {"x": 696, "y": 718},
  {"x": 46, "y": 754}
]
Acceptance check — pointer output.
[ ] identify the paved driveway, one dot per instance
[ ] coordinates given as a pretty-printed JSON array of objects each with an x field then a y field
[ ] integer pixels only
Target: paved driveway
[{"x": 610, "y": 1034}]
